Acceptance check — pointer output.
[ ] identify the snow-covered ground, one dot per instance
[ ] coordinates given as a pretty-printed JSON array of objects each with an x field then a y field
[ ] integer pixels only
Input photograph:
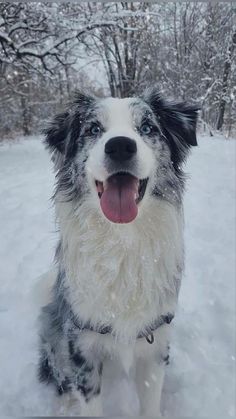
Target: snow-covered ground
[{"x": 200, "y": 379}]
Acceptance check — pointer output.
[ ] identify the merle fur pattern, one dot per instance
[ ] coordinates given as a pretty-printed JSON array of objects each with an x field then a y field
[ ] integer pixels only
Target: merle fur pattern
[{"x": 68, "y": 360}]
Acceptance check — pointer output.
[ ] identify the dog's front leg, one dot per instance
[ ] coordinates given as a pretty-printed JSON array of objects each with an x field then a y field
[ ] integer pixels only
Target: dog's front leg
[
  {"x": 88, "y": 383},
  {"x": 88, "y": 392},
  {"x": 149, "y": 379}
]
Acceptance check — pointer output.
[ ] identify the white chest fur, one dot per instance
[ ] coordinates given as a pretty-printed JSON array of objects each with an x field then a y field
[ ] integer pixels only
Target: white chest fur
[{"x": 122, "y": 275}]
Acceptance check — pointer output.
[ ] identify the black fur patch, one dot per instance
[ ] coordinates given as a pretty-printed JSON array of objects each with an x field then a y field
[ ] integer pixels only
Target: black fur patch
[
  {"x": 64, "y": 386},
  {"x": 166, "y": 359},
  {"x": 63, "y": 133},
  {"x": 45, "y": 372},
  {"x": 167, "y": 318},
  {"x": 178, "y": 124},
  {"x": 57, "y": 132},
  {"x": 80, "y": 361}
]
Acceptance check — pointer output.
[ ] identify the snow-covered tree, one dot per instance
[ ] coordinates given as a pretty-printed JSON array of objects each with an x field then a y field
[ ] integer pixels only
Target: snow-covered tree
[{"x": 49, "y": 49}]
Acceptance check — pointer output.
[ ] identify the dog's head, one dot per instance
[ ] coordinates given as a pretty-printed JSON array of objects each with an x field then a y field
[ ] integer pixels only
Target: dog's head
[{"x": 120, "y": 152}]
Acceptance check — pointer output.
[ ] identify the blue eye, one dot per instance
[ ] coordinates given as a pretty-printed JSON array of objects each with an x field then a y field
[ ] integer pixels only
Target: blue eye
[
  {"x": 95, "y": 129},
  {"x": 146, "y": 129}
]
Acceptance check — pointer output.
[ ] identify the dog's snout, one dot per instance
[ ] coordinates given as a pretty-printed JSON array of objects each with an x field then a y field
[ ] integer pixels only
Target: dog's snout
[{"x": 120, "y": 148}]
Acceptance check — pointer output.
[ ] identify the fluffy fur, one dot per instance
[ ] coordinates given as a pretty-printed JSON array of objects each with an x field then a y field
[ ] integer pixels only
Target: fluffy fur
[{"x": 114, "y": 280}]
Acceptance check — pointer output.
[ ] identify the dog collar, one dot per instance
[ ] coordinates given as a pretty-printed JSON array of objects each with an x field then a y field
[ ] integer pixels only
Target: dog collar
[{"x": 147, "y": 333}]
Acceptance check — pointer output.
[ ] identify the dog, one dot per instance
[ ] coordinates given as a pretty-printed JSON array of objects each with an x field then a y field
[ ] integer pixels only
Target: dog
[{"x": 120, "y": 257}]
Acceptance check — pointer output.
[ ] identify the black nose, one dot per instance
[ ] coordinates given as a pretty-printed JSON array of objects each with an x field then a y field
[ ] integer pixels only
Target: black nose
[{"x": 120, "y": 148}]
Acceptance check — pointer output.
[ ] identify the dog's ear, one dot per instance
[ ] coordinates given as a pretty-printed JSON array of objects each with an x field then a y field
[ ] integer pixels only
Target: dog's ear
[
  {"x": 56, "y": 133},
  {"x": 178, "y": 121},
  {"x": 65, "y": 127}
]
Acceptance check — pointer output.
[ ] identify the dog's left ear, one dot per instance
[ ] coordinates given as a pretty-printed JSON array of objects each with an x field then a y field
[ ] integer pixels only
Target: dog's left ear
[{"x": 178, "y": 121}]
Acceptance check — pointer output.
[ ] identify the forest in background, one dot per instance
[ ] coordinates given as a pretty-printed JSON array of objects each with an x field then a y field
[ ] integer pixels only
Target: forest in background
[{"x": 47, "y": 50}]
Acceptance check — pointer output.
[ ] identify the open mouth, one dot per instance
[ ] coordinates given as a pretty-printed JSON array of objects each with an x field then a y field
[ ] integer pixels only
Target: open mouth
[{"x": 120, "y": 195}]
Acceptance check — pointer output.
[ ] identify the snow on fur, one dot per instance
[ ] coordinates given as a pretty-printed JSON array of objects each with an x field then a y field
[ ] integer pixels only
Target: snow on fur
[{"x": 200, "y": 380}]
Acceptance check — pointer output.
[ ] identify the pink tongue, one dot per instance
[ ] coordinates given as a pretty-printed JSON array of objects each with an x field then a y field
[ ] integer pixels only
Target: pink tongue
[{"x": 118, "y": 199}]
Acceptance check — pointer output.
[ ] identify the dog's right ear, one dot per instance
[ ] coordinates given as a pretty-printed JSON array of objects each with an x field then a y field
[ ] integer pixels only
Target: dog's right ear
[
  {"x": 63, "y": 132},
  {"x": 57, "y": 132}
]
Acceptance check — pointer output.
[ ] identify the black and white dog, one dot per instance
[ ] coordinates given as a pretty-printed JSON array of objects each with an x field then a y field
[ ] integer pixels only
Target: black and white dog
[{"x": 119, "y": 260}]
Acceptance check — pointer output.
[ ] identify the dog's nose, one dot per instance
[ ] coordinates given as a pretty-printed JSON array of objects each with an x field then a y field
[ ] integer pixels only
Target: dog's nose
[{"x": 120, "y": 148}]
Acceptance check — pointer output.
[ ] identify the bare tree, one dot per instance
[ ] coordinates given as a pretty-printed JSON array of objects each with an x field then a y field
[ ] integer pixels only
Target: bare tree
[
  {"x": 47, "y": 49},
  {"x": 226, "y": 74}
]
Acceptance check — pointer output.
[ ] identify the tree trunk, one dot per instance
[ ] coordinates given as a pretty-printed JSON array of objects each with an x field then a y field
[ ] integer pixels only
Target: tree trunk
[
  {"x": 226, "y": 73},
  {"x": 25, "y": 116}
]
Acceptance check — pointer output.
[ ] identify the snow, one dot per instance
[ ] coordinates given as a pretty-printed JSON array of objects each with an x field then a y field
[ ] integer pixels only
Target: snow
[
  {"x": 5, "y": 37},
  {"x": 200, "y": 380}
]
